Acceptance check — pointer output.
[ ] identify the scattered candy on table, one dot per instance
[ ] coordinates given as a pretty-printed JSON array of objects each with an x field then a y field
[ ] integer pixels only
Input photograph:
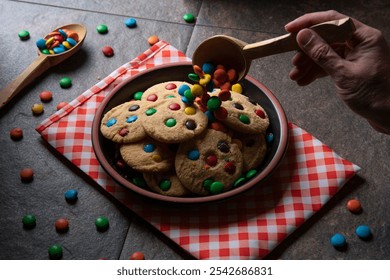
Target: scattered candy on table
[
  {"x": 26, "y": 175},
  {"x": 37, "y": 109},
  {"x": 46, "y": 96},
  {"x": 108, "y": 51},
  {"x": 65, "y": 82},
  {"x": 102, "y": 29},
  {"x": 55, "y": 252},
  {"x": 71, "y": 196},
  {"x": 62, "y": 225},
  {"x": 16, "y": 133},
  {"x": 58, "y": 41},
  {"x": 24, "y": 35},
  {"x": 189, "y": 18},
  {"x": 153, "y": 40},
  {"x": 137, "y": 256},
  {"x": 338, "y": 241},
  {"x": 130, "y": 22},
  {"x": 363, "y": 232},
  {"x": 354, "y": 206},
  {"x": 29, "y": 221},
  {"x": 102, "y": 223}
]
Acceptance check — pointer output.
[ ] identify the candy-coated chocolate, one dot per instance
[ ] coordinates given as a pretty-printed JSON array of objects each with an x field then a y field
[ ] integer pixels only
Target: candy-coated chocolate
[
  {"x": 198, "y": 70},
  {"x": 232, "y": 75},
  {"x": 102, "y": 29},
  {"x": 224, "y": 95},
  {"x": 269, "y": 137},
  {"x": 16, "y": 133},
  {"x": 239, "y": 181},
  {"x": 220, "y": 75},
  {"x": 174, "y": 106},
  {"x": 130, "y": 22},
  {"x": 150, "y": 111},
  {"x": 363, "y": 232},
  {"x": 134, "y": 108},
  {"x": 71, "y": 196},
  {"x": 223, "y": 146},
  {"x": 193, "y": 155},
  {"x": 216, "y": 187},
  {"x": 170, "y": 86},
  {"x": 189, "y": 18},
  {"x": 230, "y": 167},
  {"x": 62, "y": 225},
  {"x": 37, "y": 109},
  {"x": 65, "y": 82},
  {"x": 108, "y": 51},
  {"x": 197, "y": 90},
  {"x": 24, "y": 35},
  {"x": 214, "y": 103},
  {"x": 221, "y": 113},
  {"x": 208, "y": 68},
  {"x": 244, "y": 119},
  {"x": 29, "y": 221},
  {"x": 123, "y": 132},
  {"x": 131, "y": 119},
  {"x": 55, "y": 252},
  {"x": 354, "y": 206},
  {"x": 338, "y": 240},
  {"x": 193, "y": 77},
  {"x": 102, "y": 223},
  {"x": 190, "y": 124},
  {"x": 149, "y": 148},
  {"x": 190, "y": 110},
  {"x": 182, "y": 89},
  {"x": 46, "y": 96},
  {"x": 153, "y": 40},
  {"x": 170, "y": 122},
  {"x": 139, "y": 181},
  {"x": 26, "y": 175},
  {"x": 260, "y": 113},
  {"x": 237, "y": 88},
  {"x": 138, "y": 95},
  {"x": 137, "y": 256},
  {"x": 62, "y": 33},
  {"x": 251, "y": 173},
  {"x": 165, "y": 184},
  {"x": 111, "y": 122},
  {"x": 211, "y": 160}
]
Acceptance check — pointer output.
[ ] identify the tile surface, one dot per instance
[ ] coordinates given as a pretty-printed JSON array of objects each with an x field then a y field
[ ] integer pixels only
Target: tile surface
[{"x": 315, "y": 108}]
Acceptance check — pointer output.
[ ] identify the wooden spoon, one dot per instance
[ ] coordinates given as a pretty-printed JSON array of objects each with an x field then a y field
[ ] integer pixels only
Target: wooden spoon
[
  {"x": 40, "y": 65},
  {"x": 234, "y": 53}
]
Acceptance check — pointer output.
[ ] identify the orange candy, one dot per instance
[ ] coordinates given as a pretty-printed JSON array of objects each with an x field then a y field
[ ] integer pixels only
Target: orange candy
[
  {"x": 137, "y": 256},
  {"x": 153, "y": 40},
  {"x": 354, "y": 206}
]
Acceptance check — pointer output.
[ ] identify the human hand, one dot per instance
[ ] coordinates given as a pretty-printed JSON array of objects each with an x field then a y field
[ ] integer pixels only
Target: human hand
[{"x": 360, "y": 67}]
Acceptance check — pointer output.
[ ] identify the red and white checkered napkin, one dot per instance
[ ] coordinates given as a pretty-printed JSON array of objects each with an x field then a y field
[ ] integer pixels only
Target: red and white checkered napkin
[{"x": 246, "y": 227}]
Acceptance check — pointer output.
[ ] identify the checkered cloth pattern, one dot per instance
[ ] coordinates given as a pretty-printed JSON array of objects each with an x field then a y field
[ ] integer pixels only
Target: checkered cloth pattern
[{"x": 246, "y": 227}]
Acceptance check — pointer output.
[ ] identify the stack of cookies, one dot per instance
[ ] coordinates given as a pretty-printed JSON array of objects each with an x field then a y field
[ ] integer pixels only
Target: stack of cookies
[{"x": 179, "y": 148}]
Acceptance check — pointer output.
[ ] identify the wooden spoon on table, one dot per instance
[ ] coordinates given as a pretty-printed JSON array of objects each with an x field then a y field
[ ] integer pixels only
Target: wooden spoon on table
[
  {"x": 40, "y": 65},
  {"x": 234, "y": 53}
]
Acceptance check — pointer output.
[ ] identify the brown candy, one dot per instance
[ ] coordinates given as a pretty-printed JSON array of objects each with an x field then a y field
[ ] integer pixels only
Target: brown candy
[{"x": 26, "y": 175}]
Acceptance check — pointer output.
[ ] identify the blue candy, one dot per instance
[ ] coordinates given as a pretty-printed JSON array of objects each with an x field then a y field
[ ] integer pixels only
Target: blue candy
[
  {"x": 111, "y": 122},
  {"x": 59, "y": 49},
  {"x": 71, "y": 195},
  {"x": 338, "y": 240},
  {"x": 363, "y": 232},
  {"x": 148, "y": 148},
  {"x": 130, "y": 22},
  {"x": 41, "y": 43},
  {"x": 208, "y": 68},
  {"x": 131, "y": 119},
  {"x": 182, "y": 89},
  {"x": 193, "y": 155},
  {"x": 63, "y": 33},
  {"x": 71, "y": 42}
]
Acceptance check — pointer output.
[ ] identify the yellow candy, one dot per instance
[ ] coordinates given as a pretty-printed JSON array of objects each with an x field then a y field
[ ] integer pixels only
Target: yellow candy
[
  {"x": 51, "y": 52},
  {"x": 37, "y": 109},
  {"x": 197, "y": 90},
  {"x": 49, "y": 41},
  {"x": 237, "y": 88},
  {"x": 205, "y": 80},
  {"x": 66, "y": 44},
  {"x": 156, "y": 158},
  {"x": 190, "y": 110}
]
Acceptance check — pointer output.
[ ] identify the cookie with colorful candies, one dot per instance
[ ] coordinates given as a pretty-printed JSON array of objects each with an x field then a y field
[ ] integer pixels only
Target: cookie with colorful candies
[{"x": 166, "y": 184}]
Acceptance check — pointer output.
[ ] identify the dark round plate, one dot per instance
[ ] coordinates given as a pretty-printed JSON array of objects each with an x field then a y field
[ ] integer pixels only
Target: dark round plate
[{"x": 105, "y": 149}]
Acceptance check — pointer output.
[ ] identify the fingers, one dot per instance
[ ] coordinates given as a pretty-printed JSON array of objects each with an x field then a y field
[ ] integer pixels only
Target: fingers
[
  {"x": 308, "y": 20},
  {"x": 305, "y": 70}
]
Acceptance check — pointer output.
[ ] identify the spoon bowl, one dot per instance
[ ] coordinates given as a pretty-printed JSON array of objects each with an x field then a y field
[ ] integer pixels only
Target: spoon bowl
[
  {"x": 41, "y": 64},
  {"x": 236, "y": 54}
]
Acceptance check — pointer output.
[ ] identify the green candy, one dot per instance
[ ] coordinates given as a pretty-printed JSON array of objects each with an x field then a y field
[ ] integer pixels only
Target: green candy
[
  {"x": 189, "y": 94},
  {"x": 165, "y": 184},
  {"x": 45, "y": 51},
  {"x": 150, "y": 111},
  {"x": 207, "y": 183},
  {"x": 216, "y": 187},
  {"x": 102, "y": 223},
  {"x": 244, "y": 119},
  {"x": 193, "y": 77},
  {"x": 65, "y": 82},
  {"x": 138, "y": 95},
  {"x": 55, "y": 252},
  {"x": 170, "y": 122},
  {"x": 189, "y": 18},
  {"x": 239, "y": 181},
  {"x": 251, "y": 173},
  {"x": 29, "y": 221},
  {"x": 213, "y": 103},
  {"x": 138, "y": 181},
  {"x": 102, "y": 29},
  {"x": 24, "y": 35}
]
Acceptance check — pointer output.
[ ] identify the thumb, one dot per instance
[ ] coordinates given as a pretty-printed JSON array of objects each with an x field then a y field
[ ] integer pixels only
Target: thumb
[{"x": 319, "y": 51}]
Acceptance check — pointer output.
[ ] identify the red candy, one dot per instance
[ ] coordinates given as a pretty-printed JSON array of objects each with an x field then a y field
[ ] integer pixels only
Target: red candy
[
  {"x": 170, "y": 86},
  {"x": 212, "y": 160},
  {"x": 232, "y": 75},
  {"x": 137, "y": 256},
  {"x": 224, "y": 95},
  {"x": 108, "y": 51},
  {"x": 260, "y": 113},
  {"x": 62, "y": 225},
  {"x": 16, "y": 133},
  {"x": 26, "y": 175},
  {"x": 174, "y": 106},
  {"x": 221, "y": 113},
  {"x": 230, "y": 167},
  {"x": 152, "y": 97},
  {"x": 220, "y": 75},
  {"x": 46, "y": 96}
]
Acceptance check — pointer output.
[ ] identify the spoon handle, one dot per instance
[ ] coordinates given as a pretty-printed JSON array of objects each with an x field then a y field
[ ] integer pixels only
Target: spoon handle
[
  {"x": 33, "y": 71},
  {"x": 331, "y": 31}
]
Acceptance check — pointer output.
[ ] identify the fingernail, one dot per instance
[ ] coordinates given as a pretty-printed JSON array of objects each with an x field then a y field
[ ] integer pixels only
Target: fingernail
[{"x": 304, "y": 37}]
